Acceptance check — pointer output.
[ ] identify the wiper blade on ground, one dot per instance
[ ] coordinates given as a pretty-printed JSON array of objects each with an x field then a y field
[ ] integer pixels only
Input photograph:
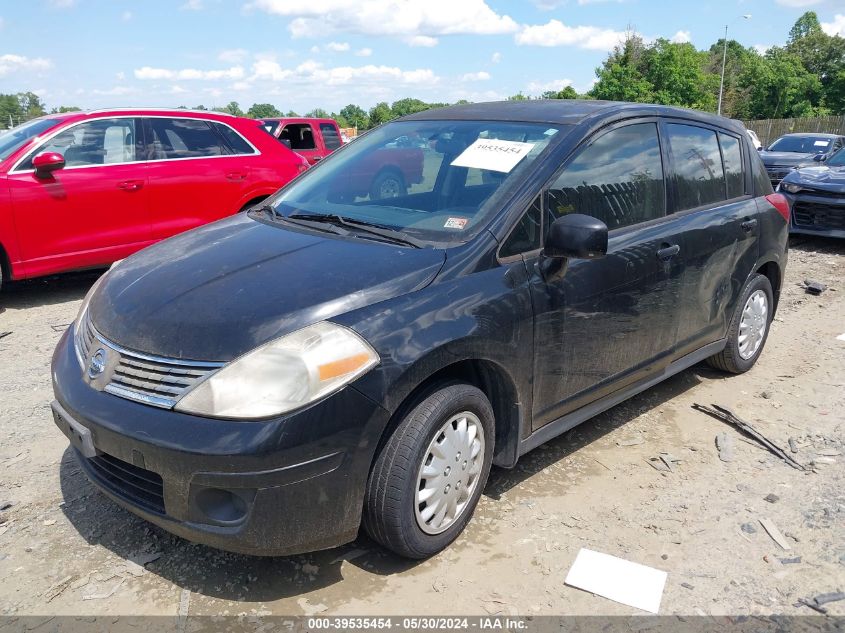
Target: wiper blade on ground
[
  {"x": 300, "y": 220},
  {"x": 361, "y": 225}
]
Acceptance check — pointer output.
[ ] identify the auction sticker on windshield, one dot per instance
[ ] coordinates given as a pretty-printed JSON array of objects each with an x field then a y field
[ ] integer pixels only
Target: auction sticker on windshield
[{"x": 493, "y": 154}]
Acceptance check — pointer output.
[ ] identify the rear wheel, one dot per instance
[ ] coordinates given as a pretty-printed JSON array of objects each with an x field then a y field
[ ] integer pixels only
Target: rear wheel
[
  {"x": 749, "y": 328},
  {"x": 388, "y": 184},
  {"x": 427, "y": 479}
]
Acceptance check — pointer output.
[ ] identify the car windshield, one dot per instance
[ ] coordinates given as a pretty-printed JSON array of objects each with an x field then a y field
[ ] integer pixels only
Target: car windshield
[
  {"x": 436, "y": 181},
  {"x": 838, "y": 159},
  {"x": 11, "y": 140},
  {"x": 801, "y": 144}
]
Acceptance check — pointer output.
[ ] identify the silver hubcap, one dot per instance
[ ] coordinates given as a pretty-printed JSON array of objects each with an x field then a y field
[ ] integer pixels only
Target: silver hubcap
[
  {"x": 753, "y": 324},
  {"x": 449, "y": 472},
  {"x": 389, "y": 189}
]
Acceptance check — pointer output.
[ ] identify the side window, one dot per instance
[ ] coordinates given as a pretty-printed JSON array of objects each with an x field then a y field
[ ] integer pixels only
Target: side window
[
  {"x": 617, "y": 178},
  {"x": 762, "y": 184},
  {"x": 732, "y": 158},
  {"x": 300, "y": 135},
  {"x": 236, "y": 142},
  {"x": 699, "y": 177},
  {"x": 182, "y": 138},
  {"x": 525, "y": 236},
  {"x": 100, "y": 142},
  {"x": 330, "y": 136}
]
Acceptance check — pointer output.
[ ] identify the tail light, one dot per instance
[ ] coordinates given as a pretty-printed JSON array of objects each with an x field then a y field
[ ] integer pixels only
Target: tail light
[{"x": 779, "y": 202}]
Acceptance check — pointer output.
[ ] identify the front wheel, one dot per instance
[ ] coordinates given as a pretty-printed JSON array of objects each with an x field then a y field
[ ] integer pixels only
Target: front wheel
[
  {"x": 388, "y": 184},
  {"x": 749, "y": 328},
  {"x": 428, "y": 478}
]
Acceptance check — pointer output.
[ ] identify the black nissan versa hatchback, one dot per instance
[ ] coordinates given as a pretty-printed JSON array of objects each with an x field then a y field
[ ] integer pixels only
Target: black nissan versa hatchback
[{"x": 268, "y": 383}]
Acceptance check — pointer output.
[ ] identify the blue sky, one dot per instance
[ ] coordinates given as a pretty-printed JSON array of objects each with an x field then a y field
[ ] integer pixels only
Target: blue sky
[{"x": 300, "y": 54}]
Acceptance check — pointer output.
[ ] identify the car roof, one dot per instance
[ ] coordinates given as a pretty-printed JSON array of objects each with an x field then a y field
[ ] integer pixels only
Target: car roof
[
  {"x": 80, "y": 115},
  {"x": 564, "y": 112},
  {"x": 295, "y": 119}
]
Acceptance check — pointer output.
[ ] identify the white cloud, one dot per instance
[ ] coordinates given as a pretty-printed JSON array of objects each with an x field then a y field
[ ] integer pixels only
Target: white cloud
[
  {"x": 798, "y": 3},
  {"x": 18, "y": 63},
  {"x": 313, "y": 73},
  {"x": 539, "y": 87},
  {"x": 496, "y": 58},
  {"x": 126, "y": 16},
  {"x": 313, "y": 18},
  {"x": 479, "y": 76},
  {"x": 762, "y": 48},
  {"x": 176, "y": 89},
  {"x": 556, "y": 33},
  {"x": 146, "y": 72},
  {"x": 681, "y": 37},
  {"x": 193, "y": 5},
  {"x": 422, "y": 41},
  {"x": 116, "y": 91},
  {"x": 338, "y": 47},
  {"x": 233, "y": 55},
  {"x": 62, "y": 4},
  {"x": 120, "y": 76},
  {"x": 364, "y": 52},
  {"x": 837, "y": 27}
]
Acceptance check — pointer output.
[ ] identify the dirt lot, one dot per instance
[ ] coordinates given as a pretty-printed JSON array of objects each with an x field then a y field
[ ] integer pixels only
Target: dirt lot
[{"x": 65, "y": 549}]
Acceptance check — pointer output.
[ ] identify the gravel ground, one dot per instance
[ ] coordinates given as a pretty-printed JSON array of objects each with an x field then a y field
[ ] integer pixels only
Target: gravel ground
[{"x": 66, "y": 549}]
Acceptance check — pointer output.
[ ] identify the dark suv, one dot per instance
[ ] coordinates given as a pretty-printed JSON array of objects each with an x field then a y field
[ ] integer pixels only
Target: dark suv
[{"x": 334, "y": 358}]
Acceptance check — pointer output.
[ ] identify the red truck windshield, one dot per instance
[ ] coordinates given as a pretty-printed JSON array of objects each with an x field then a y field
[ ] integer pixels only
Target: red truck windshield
[{"x": 437, "y": 181}]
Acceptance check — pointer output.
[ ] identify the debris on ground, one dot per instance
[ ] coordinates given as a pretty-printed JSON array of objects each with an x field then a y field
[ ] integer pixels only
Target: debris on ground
[
  {"x": 4, "y": 334},
  {"x": 790, "y": 561},
  {"x": 792, "y": 445},
  {"x": 726, "y": 415},
  {"x": 58, "y": 588},
  {"x": 726, "y": 447},
  {"x": 814, "y": 287},
  {"x": 618, "y": 579},
  {"x": 771, "y": 498},
  {"x": 350, "y": 555},
  {"x": 631, "y": 442},
  {"x": 748, "y": 528},
  {"x": 5, "y": 505},
  {"x": 817, "y": 603},
  {"x": 775, "y": 533},
  {"x": 61, "y": 327},
  {"x": 107, "y": 594},
  {"x": 310, "y": 609}
]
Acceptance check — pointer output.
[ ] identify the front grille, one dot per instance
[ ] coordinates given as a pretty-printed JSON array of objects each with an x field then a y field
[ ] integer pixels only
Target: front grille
[
  {"x": 159, "y": 382},
  {"x": 818, "y": 215},
  {"x": 137, "y": 485},
  {"x": 776, "y": 174}
]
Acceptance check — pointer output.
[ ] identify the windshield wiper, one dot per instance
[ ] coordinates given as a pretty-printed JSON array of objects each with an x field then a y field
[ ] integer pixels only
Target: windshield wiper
[
  {"x": 300, "y": 220},
  {"x": 360, "y": 225}
]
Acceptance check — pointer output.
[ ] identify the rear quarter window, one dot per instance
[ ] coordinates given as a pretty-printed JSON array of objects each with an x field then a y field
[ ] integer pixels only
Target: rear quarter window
[
  {"x": 330, "y": 136},
  {"x": 698, "y": 173},
  {"x": 732, "y": 158},
  {"x": 233, "y": 139}
]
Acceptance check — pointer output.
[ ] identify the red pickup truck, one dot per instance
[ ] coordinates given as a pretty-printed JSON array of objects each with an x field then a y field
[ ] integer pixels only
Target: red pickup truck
[{"x": 388, "y": 173}]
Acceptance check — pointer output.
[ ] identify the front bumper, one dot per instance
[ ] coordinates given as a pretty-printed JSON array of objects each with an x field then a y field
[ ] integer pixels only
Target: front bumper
[
  {"x": 817, "y": 214},
  {"x": 283, "y": 486}
]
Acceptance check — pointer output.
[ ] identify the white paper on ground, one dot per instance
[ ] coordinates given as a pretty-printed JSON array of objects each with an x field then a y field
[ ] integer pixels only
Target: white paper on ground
[
  {"x": 618, "y": 579},
  {"x": 493, "y": 154},
  {"x": 841, "y": 337}
]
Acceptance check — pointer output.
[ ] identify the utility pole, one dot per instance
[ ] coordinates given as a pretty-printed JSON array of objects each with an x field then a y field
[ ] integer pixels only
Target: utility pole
[{"x": 724, "y": 59}]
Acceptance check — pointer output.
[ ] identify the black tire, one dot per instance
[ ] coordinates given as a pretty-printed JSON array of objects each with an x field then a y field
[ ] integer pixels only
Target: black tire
[
  {"x": 251, "y": 204},
  {"x": 388, "y": 184},
  {"x": 390, "y": 515},
  {"x": 729, "y": 359}
]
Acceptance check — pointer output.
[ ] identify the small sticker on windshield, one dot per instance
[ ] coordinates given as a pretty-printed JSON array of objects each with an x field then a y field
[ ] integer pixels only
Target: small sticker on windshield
[
  {"x": 455, "y": 223},
  {"x": 493, "y": 154},
  {"x": 821, "y": 143}
]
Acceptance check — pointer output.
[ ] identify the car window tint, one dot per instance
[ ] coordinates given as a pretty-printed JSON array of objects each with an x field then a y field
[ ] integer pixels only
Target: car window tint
[
  {"x": 699, "y": 177},
  {"x": 617, "y": 178},
  {"x": 732, "y": 158},
  {"x": 300, "y": 135},
  {"x": 762, "y": 184},
  {"x": 99, "y": 142},
  {"x": 330, "y": 136},
  {"x": 236, "y": 142},
  {"x": 182, "y": 138},
  {"x": 525, "y": 236}
]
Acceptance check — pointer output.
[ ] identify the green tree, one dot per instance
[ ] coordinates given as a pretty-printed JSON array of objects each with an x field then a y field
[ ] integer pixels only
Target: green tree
[
  {"x": 355, "y": 116},
  {"x": 233, "y": 107},
  {"x": 409, "y": 106},
  {"x": 781, "y": 87},
  {"x": 380, "y": 113},
  {"x": 263, "y": 111},
  {"x": 291, "y": 113},
  {"x": 821, "y": 54},
  {"x": 317, "y": 113},
  {"x": 567, "y": 92},
  {"x": 62, "y": 109},
  {"x": 518, "y": 97}
]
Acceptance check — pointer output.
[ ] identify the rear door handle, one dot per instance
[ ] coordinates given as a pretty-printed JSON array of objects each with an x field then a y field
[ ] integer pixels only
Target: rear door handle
[
  {"x": 668, "y": 252},
  {"x": 130, "y": 185},
  {"x": 235, "y": 175},
  {"x": 749, "y": 225}
]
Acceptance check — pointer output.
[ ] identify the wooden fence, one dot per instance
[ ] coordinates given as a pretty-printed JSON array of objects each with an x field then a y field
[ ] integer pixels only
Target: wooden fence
[{"x": 770, "y": 129}]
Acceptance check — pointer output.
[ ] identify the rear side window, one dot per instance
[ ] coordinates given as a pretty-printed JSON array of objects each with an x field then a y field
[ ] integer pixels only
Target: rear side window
[
  {"x": 300, "y": 135},
  {"x": 236, "y": 142},
  {"x": 617, "y": 178},
  {"x": 732, "y": 158},
  {"x": 762, "y": 184},
  {"x": 182, "y": 138},
  {"x": 699, "y": 177},
  {"x": 330, "y": 136}
]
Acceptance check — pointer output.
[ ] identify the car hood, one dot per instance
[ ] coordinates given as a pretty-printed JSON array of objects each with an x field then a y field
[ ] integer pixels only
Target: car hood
[
  {"x": 785, "y": 158},
  {"x": 216, "y": 292},
  {"x": 822, "y": 177}
]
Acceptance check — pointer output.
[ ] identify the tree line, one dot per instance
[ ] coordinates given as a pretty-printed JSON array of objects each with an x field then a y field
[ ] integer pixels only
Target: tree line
[{"x": 804, "y": 77}]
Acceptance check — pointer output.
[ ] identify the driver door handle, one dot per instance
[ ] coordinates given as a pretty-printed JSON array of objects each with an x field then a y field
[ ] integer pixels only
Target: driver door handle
[
  {"x": 668, "y": 252},
  {"x": 130, "y": 185}
]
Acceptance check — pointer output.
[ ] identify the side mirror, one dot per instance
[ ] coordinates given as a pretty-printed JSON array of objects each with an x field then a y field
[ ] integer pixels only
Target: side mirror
[
  {"x": 819, "y": 158},
  {"x": 576, "y": 236},
  {"x": 46, "y": 163}
]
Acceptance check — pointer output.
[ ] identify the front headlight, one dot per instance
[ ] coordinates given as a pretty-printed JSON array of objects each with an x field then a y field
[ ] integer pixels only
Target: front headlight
[
  {"x": 790, "y": 187},
  {"x": 282, "y": 375}
]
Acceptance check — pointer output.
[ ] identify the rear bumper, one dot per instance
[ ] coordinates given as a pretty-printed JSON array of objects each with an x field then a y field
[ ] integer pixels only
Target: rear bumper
[{"x": 277, "y": 487}]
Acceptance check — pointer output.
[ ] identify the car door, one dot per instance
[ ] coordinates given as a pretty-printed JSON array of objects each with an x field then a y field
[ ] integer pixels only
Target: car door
[
  {"x": 303, "y": 140},
  {"x": 711, "y": 193},
  {"x": 605, "y": 323},
  {"x": 194, "y": 176},
  {"x": 92, "y": 211}
]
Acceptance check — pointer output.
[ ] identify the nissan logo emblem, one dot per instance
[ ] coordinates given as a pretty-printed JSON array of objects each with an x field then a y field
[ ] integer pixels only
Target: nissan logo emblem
[{"x": 98, "y": 363}]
